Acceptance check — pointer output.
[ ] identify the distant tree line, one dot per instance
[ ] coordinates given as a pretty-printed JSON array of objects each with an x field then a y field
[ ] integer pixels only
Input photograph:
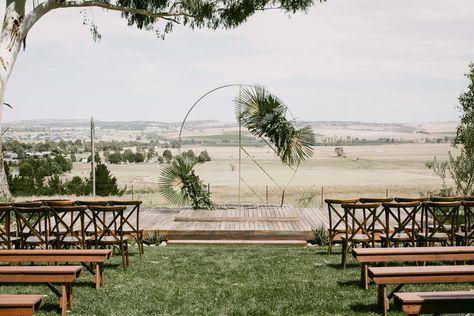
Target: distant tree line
[
  {"x": 114, "y": 151},
  {"x": 348, "y": 141},
  {"x": 40, "y": 176}
]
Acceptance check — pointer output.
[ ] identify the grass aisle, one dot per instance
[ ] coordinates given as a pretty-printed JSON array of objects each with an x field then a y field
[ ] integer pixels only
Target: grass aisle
[{"x": 223, "y": 281}]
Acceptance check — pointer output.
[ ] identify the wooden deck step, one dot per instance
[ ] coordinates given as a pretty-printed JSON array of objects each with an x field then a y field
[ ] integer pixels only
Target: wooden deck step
[
  {"x": 233, "y": 219},
  {"x": 258, "y": 235},
  {"x": 288, "y": 243}
]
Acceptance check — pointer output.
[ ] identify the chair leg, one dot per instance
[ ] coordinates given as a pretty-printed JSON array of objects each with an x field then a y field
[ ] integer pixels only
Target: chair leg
[
  {"x": 330, "y": 246},
  {"x": 122, "y": 252},
  {"x": 344, "y": 253}
]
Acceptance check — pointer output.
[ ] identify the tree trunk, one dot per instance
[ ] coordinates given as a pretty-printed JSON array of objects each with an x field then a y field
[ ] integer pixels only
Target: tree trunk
[{"x": 10, "y": 42}]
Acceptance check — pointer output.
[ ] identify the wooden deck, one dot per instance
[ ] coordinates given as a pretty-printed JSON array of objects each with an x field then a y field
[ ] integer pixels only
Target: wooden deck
[
  {"x": 261, "y": 218},
  {"x": 260, "y": 223}
]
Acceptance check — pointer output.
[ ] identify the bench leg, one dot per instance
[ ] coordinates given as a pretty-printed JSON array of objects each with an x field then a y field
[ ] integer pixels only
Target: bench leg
[
  {"x": 364, "y": 277},
  {"x": 97, "y": 276},
  {"x": 102, "y": 275},
  {"x": 63, "y": 300},
  {"x": 70, "y": 298},
  {"x": 382, "y": 298}
]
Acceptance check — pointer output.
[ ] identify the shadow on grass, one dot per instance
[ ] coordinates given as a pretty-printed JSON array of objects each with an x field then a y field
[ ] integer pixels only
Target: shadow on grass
[
  {"x": 348, "y": 265},
  {"x": 349, "y": 283},
  {"x": 51, "y": 308},
  {"x": 360, "y": 308}
]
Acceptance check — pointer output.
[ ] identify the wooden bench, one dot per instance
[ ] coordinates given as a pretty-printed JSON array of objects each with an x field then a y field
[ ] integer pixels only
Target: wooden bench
[
  {"x": 377, "y": 255},
  {"x": 50, "y": 275},
  {"x": 24, "y": 305},
  {"x": 92, "y": 256},
  {"x": 416, "y": 303},
  {"x": 383, "y": 276}
]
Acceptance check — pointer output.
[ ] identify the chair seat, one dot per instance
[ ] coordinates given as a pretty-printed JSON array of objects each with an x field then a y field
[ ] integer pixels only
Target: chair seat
[
  {"x": 74, "y": 240},
  {"x": 111, "y": 239},
  {"x": 13, "y": 238},
  {"x": 130, "y": 231},
  {"x": 358, "y": 238},
  {"x": 435, "y": 236},
  {"x": 379, "y": 228},
  {"x": 397, "y": 236},
  {"x": 448, "y": 227},
  {"x": 36, "y": 240},
  {"x": 470, "y": 234}
]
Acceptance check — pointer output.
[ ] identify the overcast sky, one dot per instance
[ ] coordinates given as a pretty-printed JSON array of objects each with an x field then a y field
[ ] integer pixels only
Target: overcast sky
[{"x": 357, "y": 60}]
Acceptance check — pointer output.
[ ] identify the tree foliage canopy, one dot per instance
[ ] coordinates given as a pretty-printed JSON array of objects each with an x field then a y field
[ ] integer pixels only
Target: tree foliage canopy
[{"x": 465, "y": 130}]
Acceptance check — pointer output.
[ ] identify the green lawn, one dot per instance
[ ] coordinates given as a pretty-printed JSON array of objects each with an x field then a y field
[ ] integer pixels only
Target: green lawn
[{"x": 224, "y": 281}]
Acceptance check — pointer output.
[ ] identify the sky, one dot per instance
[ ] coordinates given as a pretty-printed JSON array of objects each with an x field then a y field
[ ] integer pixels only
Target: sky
[{"x": 345, "y": 60}]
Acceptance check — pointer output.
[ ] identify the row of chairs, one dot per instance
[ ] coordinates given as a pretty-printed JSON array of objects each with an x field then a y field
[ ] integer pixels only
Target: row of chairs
[
  {"x": 401, "y": 221},
  {"x": 65, "y": 224}
]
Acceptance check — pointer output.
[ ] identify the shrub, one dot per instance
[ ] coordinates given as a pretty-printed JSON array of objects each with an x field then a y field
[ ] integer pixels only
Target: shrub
[{"x": 320, "y": 234}]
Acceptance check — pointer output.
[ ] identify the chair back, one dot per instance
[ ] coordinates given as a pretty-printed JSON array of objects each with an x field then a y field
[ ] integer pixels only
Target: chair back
[
  {"x": 68, "y": 224},
  {"x": 108, "y": 223},
  {"x": 376, "y": 200},
  {"x": 33, "y": 221},
  {"x": 51, "y": 203},
  {"x": 446, "y": 198},
  {"x": 468, "y": 230},
  {"x": 401, "y": 218},
  {"x": 28, "y": 204},
  {"x": 411, "y": 199},
  {"x": 5, "y": 227},
  {"x": 131, "y": 215},
  {"x": 444, "y": 220},
  {"x": 336, "y": 212},
  {"x": 361, "y": 219}
]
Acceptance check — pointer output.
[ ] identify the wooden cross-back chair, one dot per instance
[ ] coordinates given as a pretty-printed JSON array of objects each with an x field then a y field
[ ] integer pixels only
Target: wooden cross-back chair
[
  {"x": 443, "y": 217},
  {"x": 88, "y": 215},
  {"x": 379, "y": 225},
  {"x": 465, "y": 236},
  {"x": 403, "y": 216},
  {"x": 359, "y": 222},
  {"x": 7, "y": 241},
  {"x": 33, "y": 226},
  {"x": 68, "y": 226},
  {"x": 336, "y": 219},
  {"x": 131, "y": 225},
  {"x": 108, "y": 225},
  {"x": 420, "y": 216}
]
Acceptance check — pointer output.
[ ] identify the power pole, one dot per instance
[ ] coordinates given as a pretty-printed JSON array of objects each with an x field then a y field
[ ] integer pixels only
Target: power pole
[{"x": 93, "y": 156}]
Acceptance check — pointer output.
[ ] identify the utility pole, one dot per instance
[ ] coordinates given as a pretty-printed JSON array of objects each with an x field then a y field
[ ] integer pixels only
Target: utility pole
[{"x": 93, "y": 156}]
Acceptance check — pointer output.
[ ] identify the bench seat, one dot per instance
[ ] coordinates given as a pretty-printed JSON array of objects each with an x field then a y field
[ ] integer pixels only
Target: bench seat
[
  {"x": 383, "y": 276},
  {"x": 93, "y": 256},
  {"x": 63, "y": 276},
  {"x": 20, "y": 304},
  {"x": 415, "y": 303},
  {"x": 409, "y": 254}
]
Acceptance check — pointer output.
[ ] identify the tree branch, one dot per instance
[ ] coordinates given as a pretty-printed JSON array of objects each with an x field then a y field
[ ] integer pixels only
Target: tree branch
[
  {"x": 45, "y": 7},
  {"x": 113, "y": 7}
]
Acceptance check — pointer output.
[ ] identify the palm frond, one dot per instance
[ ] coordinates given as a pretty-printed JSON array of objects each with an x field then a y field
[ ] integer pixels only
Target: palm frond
[
  {"x": 173, "y": 178},
  {"x": 264, "y": 115}
]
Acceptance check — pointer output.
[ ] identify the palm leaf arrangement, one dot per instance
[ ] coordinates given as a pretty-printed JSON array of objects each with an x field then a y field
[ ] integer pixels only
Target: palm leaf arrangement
[
  {"x": 264, "y": 115},
  {"x": 179, "y": 184}
]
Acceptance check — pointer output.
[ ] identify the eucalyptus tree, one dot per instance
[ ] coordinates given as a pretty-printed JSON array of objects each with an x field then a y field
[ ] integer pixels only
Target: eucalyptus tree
[{"x": 158, "y": 15}]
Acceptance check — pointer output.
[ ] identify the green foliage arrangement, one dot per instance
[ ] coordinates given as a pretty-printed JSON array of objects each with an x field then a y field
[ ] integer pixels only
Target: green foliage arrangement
[
  {"x": 461, "y": 167},
  {"x": 320, "y": 235},
  {"x": 180, "y": 185},
  {"x": 264, "y": 115}
]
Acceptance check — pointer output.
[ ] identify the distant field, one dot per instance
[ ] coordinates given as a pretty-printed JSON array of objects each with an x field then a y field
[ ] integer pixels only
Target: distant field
[{"x": 366, "y": 171}]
